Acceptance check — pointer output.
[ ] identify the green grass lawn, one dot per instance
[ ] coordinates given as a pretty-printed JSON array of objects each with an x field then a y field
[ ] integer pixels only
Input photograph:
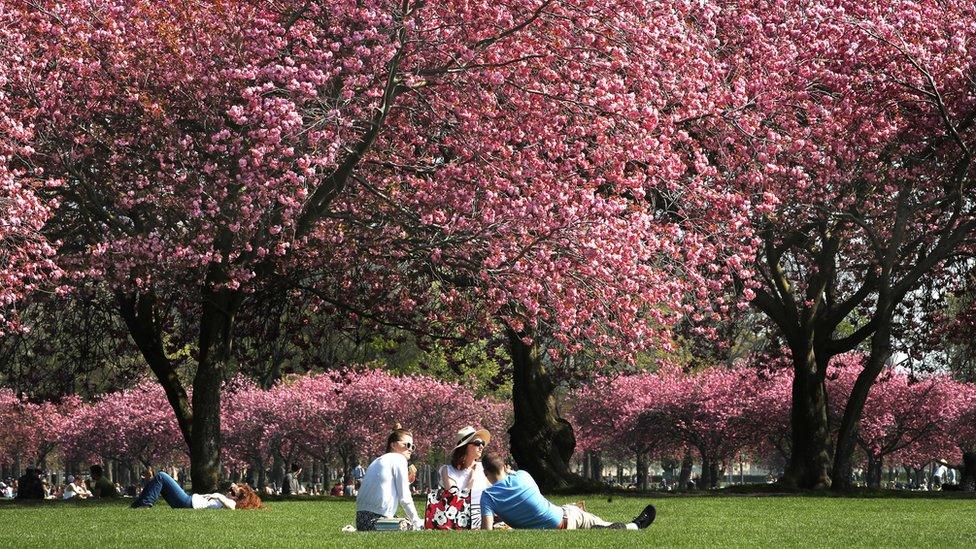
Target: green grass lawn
[{"x": 743, "y": 521}]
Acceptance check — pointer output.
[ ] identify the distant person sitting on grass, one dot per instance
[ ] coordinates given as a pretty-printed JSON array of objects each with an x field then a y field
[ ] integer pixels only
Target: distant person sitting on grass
[
  {"x": 291, "y": 485},
  {"x": 29, "y": 485},
  {"x": 240, "y": 496},
  {"x": 350, "y": 489},
  {"x": 75, "y": 489},
  {"x": 337, "y": 489},
  {"x": 515, "y": 499},
  {"x": 101, "y": 487}
]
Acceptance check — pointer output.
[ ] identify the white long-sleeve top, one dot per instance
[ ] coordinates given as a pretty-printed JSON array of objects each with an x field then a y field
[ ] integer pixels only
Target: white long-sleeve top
[
  {"x": 212, "y": 501},
  {"x": 386, "y": 487}
]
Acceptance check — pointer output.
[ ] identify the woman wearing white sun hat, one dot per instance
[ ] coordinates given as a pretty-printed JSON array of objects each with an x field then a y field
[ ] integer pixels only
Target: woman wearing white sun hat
[{"x": 464, "y": 470}]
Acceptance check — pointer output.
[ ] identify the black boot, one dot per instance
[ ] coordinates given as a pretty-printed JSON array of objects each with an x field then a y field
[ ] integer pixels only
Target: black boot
[{"x": 646, "y": 517}]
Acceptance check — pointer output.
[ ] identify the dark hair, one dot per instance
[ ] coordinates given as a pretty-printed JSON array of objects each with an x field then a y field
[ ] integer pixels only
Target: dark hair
[
  {"x": 396, "y": 436},
  {"x": 295, "y": 467},
  {"x": 494, "y": 464},
  {"x": 96, "y": 471},
  {"x": 457, "y": 456}
]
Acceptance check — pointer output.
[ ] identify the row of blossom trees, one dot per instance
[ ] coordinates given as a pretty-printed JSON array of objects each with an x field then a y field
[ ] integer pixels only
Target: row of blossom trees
[
  {"x": 719, "y": 413},
  {"x": 341, "y": 416}
]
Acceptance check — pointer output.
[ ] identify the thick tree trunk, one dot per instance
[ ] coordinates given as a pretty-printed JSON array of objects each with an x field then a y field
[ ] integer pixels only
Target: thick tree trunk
[
  {"x": 711, "y": 470},
  {"x": 968, "y": 478},
  {"x": 261, "y": 478},
  {"x": 205, "y": 437},
  {"x": 809, "y": 462},
  {"x": 215, "y": 343},
  {"x": 199, "y": 420},
  {"x": 846, "y": 437},
  {"x": 541, "y": 441}
]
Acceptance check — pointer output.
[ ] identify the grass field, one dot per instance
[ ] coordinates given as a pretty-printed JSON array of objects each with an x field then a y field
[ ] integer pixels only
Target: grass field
[{"x": 713, "y": 521}]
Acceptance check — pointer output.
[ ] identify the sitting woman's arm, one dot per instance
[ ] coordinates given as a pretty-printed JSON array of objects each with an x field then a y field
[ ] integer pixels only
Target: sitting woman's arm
[
  {"x": 401, "y": 486},
  {"x": 446, "y": 481}
]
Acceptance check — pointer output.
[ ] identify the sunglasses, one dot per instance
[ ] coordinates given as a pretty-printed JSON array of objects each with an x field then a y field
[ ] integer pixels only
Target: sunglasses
[
  {"x": 408, "y": 445},
  {"x": 478, "y": 443}
]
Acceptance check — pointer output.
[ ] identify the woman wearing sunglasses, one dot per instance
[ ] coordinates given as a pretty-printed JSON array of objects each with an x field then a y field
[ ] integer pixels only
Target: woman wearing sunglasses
[
  {"x": 465, "y": 473},
  {"x": 386, "y": 485}
]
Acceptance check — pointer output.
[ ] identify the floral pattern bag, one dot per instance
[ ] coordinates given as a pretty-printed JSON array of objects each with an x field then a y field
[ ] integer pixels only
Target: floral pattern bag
[{"x": 448, "y": 509}]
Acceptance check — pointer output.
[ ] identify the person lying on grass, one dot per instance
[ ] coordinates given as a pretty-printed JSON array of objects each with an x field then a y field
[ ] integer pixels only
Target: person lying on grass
[
  {"x": 240, "y": 496},
  {"x": 515, "y": 499}
]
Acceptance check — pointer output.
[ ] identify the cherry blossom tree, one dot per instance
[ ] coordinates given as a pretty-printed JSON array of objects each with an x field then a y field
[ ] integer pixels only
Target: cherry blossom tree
[
  {"x": 371, "y": 401},
  {"x": 31, "y": 430},
  {"x": 770, "y": 413},
  {"x": 520, "y": 162},
  {"x": 856, "y": 138},
  {"x": 713, "y": 411},
  {"x": 718, "y": 412},
  {"x": 348, "y": 415},
  {"x": 610, "y": 415},
  {"x": 131, "y": 425},
  {"x": 15, "y": 438},
  {"x": 904, "y": 419},
  {"x": 254, "y": 426}
]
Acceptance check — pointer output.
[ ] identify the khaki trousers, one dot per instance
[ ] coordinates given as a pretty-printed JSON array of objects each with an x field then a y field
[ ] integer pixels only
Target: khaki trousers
[{"x": 578, "y": 519}]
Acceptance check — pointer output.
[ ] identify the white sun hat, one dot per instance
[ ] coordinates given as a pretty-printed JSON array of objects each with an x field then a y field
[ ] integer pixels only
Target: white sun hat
[{"x": 469, "y": 433}]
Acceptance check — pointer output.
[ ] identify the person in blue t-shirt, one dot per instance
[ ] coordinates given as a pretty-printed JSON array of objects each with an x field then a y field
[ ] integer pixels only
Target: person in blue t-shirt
[{"x": 515, "y": 499}]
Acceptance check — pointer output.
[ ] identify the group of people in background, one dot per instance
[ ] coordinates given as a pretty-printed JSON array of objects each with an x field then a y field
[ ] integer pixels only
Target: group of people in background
[{"x": 33, "y": 485}]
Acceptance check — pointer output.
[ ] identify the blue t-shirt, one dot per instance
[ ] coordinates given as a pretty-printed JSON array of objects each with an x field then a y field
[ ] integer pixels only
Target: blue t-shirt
[{"x": 518, "y": 501}]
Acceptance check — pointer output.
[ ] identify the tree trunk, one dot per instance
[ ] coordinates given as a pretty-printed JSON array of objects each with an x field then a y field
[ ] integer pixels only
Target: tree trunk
[
  {"x": 967, "y": 480},
  {"x": 705, "y": 480},
  {"x": 846, "y": 437},
  {"x": 707, "y": 470},
  {"x": 642, "y": 465},
  {"x": 809, "y": 462},
  {"x": 596, "y": 466},
  {"x": 199, "y": 420},
  {"x": 874, "y": 472},
  {"x": 684, "y": 474},
  {"x": 541, "y": 441},
  {"x": 261, "y": 480},
  {"x": 717, "y": 468},
  {"x": 138, "y": 310},
  {"x": 216, "y": 338}
]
